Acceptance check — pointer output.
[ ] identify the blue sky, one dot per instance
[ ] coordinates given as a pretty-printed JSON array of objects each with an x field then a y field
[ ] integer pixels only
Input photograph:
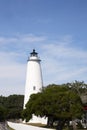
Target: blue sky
[{"x": 57, "y": 29}]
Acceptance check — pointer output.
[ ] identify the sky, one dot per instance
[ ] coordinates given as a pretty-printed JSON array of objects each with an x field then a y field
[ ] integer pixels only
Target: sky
[{"x": 56, "y": 29}]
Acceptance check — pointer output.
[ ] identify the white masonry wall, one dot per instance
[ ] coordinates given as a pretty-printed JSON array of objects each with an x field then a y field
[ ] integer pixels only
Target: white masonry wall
[
  {"x": 34, "y": 84},
  {"x": 34, "y": 81}
]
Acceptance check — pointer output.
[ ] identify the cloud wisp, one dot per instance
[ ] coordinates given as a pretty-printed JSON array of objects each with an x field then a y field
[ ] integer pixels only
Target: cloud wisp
[
  {"x": 61, "y": 62},
  {"x": 30, "y": 38},
  {"x": 64, "y": 63},
  {"x": 12, "y": 74}
]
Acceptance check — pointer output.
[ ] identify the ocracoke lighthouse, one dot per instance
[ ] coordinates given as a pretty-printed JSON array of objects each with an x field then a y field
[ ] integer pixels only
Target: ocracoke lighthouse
[{"x": 34, "y": 82}]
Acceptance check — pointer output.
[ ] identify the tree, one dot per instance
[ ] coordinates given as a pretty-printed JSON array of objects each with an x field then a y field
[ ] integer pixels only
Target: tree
[
  {"x": 13, "y": 105},
  {"x": 56, "y": 102},
  {"x": 3, "y": 113},
  {"x": 78, "y": 87}
]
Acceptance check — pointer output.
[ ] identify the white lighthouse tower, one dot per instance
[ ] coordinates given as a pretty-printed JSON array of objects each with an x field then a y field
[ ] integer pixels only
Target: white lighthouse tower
[{"x": 34, "y": 81}]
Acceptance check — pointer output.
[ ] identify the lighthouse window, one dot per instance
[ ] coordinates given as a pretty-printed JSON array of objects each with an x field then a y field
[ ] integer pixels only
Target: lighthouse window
[{"x": 34, "y": 88}]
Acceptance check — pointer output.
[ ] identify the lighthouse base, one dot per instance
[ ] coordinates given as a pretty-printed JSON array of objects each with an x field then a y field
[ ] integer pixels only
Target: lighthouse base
[{"x": 36, "y": 119}]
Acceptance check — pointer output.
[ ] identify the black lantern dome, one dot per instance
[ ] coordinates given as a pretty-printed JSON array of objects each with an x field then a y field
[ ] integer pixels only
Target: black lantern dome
[{"x": 34, "y": 53}]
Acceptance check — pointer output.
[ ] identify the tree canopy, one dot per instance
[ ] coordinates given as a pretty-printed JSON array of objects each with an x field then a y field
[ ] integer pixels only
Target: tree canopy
[
  {"x": 57, "y": 102},
  {"x": 11, "y": 107}
]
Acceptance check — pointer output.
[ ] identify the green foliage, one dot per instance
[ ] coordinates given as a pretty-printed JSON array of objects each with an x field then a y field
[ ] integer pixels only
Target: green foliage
[
  {"x": 55, "y": 102},
  {"x": 3, "y": 113},
  {"x": 78, "y": 87},
  {"x": 12, "y": 106},
  {"x": 79, "y": 125}
]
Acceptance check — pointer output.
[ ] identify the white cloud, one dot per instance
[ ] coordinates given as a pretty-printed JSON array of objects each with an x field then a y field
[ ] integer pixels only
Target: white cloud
[
  {"x": 63, "y": 63},
  {"x": 60, "y": 61},
  {"x": 7, "y": 40},
  {"x": 32, "y": 38},
  {"x": 22, "y": 38},
  {"x": 20, "y": 43},
  {"x": 12, "y": 74},
  {"x": 61, "y": 50}
]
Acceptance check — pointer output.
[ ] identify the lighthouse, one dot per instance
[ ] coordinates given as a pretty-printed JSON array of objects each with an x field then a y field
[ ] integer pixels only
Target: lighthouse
[{"x": 34, "y": 82}]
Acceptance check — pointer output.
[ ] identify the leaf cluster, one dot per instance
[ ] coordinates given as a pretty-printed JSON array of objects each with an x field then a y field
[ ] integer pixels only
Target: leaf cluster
[
  {"x": 11, "y": 106},
  {"x": 56, "y": 101}
]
